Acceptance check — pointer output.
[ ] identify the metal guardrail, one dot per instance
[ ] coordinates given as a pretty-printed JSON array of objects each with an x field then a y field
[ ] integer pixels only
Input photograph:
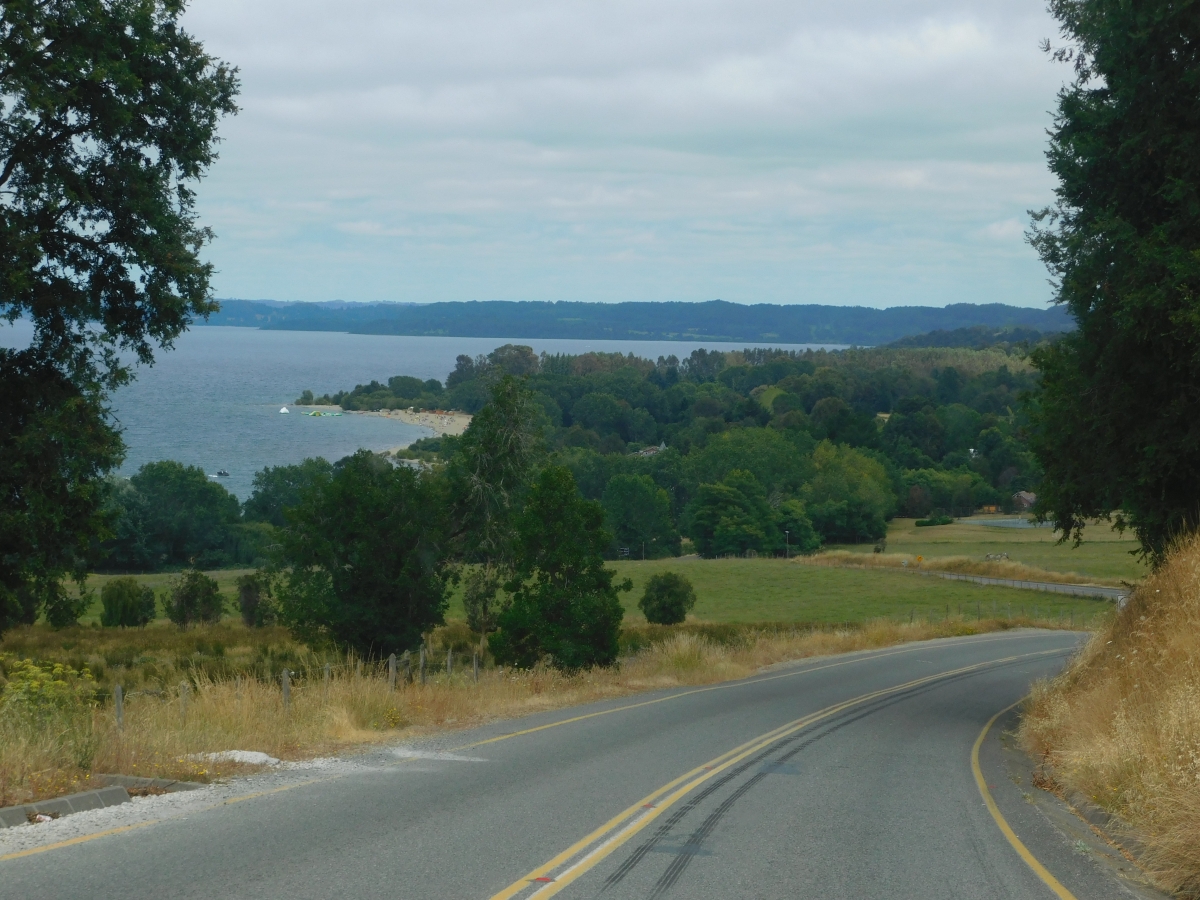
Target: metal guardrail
[{"x": 1075, "y": 590}]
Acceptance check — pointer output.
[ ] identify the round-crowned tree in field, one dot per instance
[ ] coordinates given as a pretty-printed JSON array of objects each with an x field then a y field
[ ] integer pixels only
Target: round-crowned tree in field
[{"x": 668, "y": 599}]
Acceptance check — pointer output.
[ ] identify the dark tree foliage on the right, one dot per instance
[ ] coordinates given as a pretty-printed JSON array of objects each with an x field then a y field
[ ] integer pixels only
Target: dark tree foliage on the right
[{"x": 1116, "y": 426}]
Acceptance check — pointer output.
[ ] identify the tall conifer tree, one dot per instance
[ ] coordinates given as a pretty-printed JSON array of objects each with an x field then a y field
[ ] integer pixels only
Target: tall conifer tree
[{"x": 1116, "y": 426}]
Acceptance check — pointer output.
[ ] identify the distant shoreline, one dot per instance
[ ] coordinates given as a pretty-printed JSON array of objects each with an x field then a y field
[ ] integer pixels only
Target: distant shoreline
[{"x": 707, "y": 322}]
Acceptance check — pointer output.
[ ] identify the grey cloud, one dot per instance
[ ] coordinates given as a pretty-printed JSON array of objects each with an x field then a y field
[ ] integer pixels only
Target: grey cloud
[{"x": 863, "y": 152}]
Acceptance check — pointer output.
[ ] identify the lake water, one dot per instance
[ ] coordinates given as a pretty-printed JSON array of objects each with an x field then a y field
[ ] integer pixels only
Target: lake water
[{"x": 214, "y": 400}]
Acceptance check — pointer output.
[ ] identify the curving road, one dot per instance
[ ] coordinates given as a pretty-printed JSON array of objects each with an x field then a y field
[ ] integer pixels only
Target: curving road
[{"x": 845, "y": 777}]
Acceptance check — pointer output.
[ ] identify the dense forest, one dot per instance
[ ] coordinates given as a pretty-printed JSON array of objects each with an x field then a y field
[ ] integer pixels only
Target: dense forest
[
  {"x": 733, "y": 450},
  {"x": 644, "y": 321},
  {"x": 758, "y": 451}
]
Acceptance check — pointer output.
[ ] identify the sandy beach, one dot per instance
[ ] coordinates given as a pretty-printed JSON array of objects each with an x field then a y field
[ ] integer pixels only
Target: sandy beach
[{"x": 440, "y": 422}]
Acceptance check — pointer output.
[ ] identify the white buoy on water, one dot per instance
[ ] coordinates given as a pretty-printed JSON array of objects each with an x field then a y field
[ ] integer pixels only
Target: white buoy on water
[{"x": 285, "y": 409}]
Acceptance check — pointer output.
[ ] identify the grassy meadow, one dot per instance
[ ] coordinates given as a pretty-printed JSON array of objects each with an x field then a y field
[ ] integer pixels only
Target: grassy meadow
[{"x": 776, "y": 590}]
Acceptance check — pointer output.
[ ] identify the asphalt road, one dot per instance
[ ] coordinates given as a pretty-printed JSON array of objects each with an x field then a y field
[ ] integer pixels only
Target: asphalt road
[{"x": 843, "y": 777}]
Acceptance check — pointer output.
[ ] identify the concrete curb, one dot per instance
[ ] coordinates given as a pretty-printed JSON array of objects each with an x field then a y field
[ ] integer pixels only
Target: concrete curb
[
  {"x": 1116, "y": 831},
  {"x": 1107, "y": 840},
  {"x": 11, "y": 816},
  {"x": 115, "y": 790}
]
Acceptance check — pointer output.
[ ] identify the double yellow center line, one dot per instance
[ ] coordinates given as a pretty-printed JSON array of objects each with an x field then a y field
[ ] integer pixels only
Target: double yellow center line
[{"x": 558, "y": 872}]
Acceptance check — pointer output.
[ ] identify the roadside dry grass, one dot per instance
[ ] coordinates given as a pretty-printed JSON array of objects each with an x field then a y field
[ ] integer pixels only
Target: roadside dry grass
[
  {"x": 168, "y": 729},
  {"x": 963, "y": 565},
  {"x": 1122, "y": 724}
]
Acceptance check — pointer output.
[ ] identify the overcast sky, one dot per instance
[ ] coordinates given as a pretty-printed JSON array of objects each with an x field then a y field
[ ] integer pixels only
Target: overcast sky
[{"x": 870, "y": 152}]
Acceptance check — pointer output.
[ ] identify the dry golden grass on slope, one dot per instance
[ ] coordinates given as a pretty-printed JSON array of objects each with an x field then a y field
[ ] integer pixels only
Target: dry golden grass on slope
[
  {"x": 53, "y": 754},
  {"x": 1122, "y": 724},
  {"x": 962, "y": 565}
]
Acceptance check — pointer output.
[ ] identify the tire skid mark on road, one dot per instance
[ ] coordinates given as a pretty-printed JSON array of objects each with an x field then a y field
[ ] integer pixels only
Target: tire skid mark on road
[
  {"x": 552, "y": 876},
  {"x": 694, "y": 842}
]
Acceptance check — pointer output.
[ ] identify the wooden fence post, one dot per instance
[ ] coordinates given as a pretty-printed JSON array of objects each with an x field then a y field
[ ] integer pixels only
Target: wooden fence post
[
  {"x": 119, "y": 707},
  {"x": 475, "y": 667},
  {"x": 183, "y": 701},
  {"x": 392, "y": 672},
  {"x": 422, "y": 664},
  {"x": 328, "y": 672},
  {"x": 407, "y": 667}
]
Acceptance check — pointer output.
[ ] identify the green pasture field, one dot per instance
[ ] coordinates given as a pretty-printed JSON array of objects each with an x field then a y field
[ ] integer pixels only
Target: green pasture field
[
  {"x": 1104, "y": 553},
  {"x": 770, "y": 590},
  {"x": 775, "y": 590}
]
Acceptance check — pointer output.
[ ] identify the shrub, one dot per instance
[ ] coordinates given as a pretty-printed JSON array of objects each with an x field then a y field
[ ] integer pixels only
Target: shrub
[
  {"x": 34, "y": 691},
  {"x": 934, "y": 521},
  {"x": 194, "y": 598},
  {"x": 127, "y": 604},
  {"x": 61, "y": 609},
  {"x": 254, "y": 600},
  {"x": 668, "y": 599}
]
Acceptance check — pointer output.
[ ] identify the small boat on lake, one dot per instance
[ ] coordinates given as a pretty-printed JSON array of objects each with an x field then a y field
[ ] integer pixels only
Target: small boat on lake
[
  {"x": 285, "y": 409},
  {"x": 221, "y": 473}
]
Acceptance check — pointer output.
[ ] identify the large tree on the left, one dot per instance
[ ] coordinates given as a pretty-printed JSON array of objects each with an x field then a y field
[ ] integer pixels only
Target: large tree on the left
[{"x": 108, "y": 116}]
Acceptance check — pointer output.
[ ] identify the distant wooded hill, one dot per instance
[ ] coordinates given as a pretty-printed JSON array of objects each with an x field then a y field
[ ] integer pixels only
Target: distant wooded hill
[
  {"x": 978, "y": 337},
  {"x": 715, "y": 320}
]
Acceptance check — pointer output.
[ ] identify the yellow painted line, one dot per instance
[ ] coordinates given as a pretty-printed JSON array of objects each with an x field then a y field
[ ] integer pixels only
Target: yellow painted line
[
  {"x": 1030, "y": 860},
  {"x": 229, "y": 801},
  {"x": 802, "y": 669},
  {"x": 609, "y": 842},
  {"x": 616, "y": 820},
  {"x": 77, "y": 840}
]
